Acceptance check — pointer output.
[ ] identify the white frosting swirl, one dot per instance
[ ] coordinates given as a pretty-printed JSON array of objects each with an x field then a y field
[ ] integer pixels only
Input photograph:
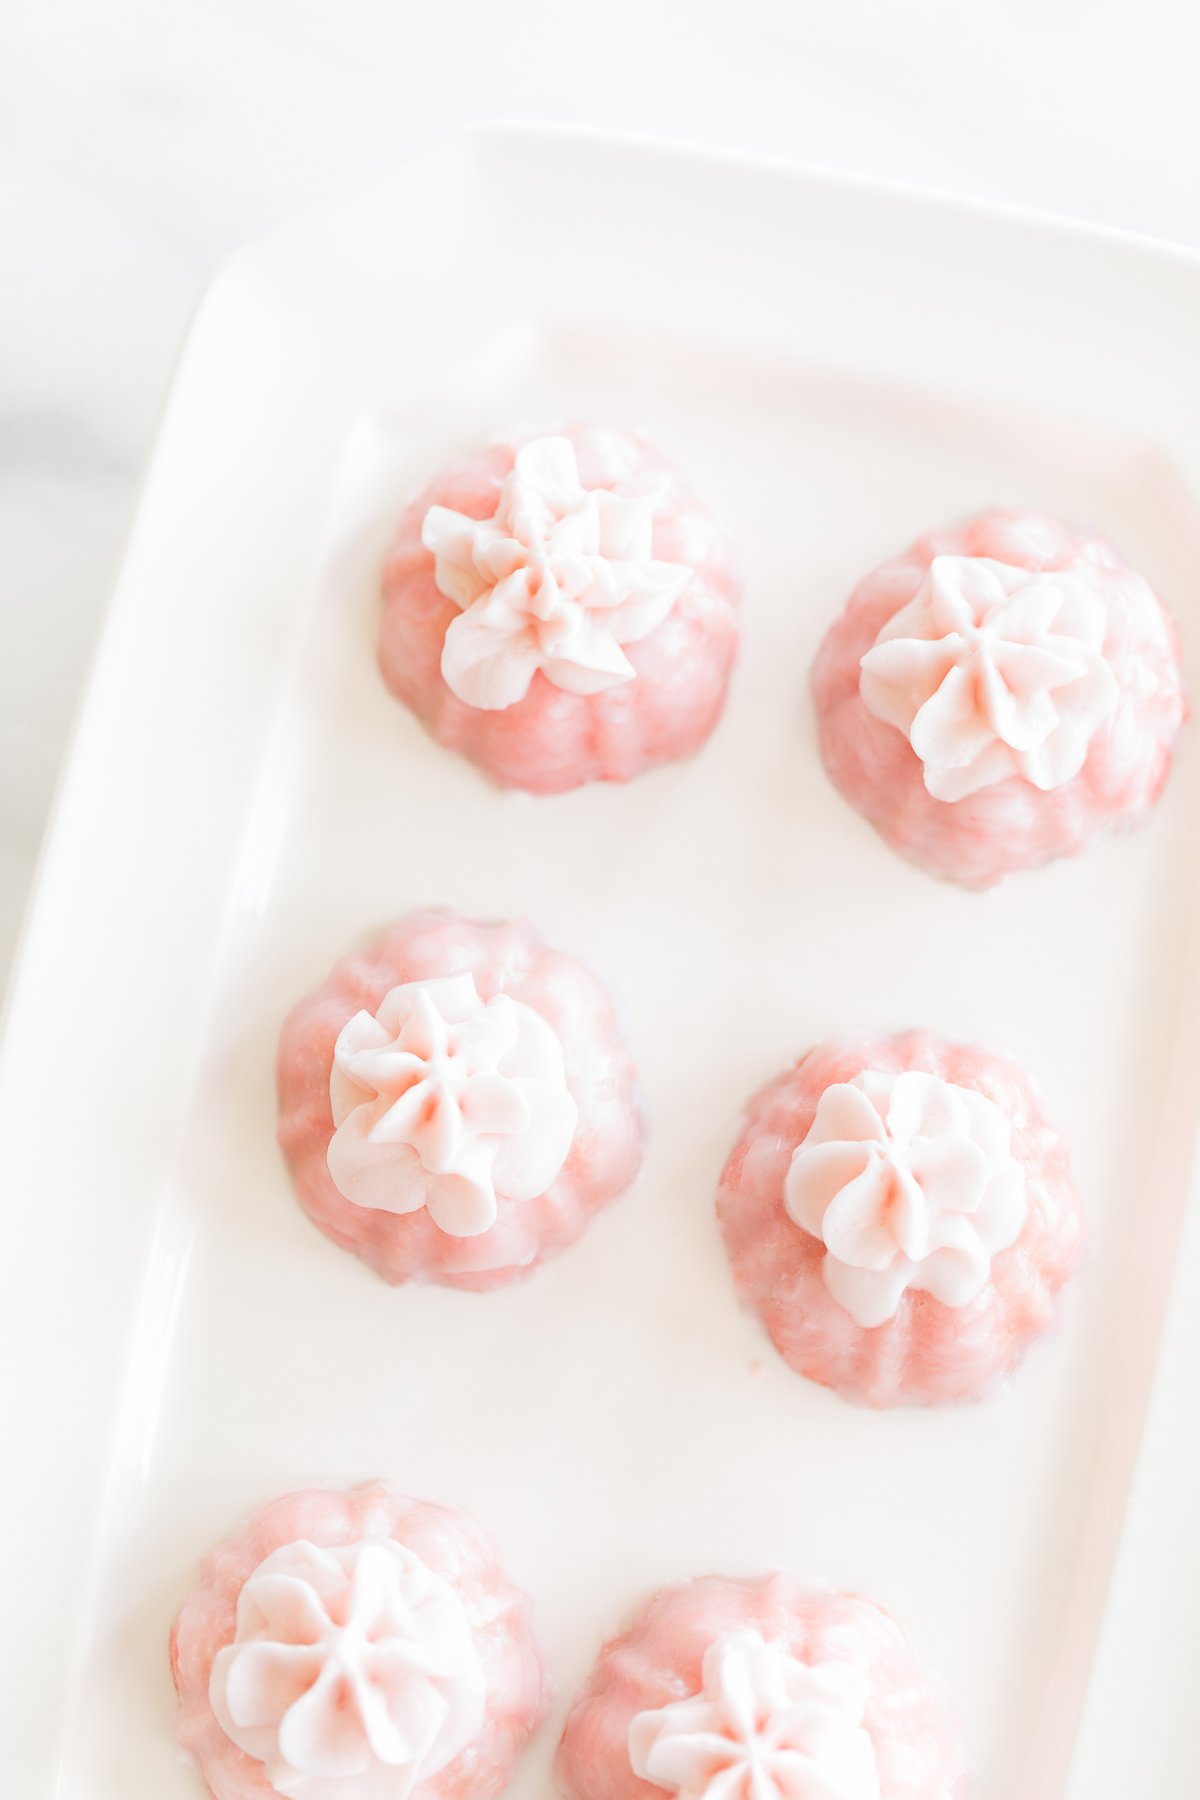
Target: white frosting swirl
[
  {"x": 353, "y": 1673},
  {"x": 558, "y": 579},
  {"x": 442, "y": 1100},
  {"x": 993, "y": 671},
  {"x": 908, "y": 1181},
  {"x": 764, "y": 1727}
]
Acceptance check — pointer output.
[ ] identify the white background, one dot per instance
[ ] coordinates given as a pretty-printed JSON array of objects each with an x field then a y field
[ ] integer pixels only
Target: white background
[{"x": 141, "y": 140}]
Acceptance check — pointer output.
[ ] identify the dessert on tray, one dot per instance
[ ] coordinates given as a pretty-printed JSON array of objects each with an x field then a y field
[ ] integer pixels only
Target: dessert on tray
[
  {"x": 1003, "y": 693},
  {"x": 456, "y": 1101},
  {"x": 561, "y": 609},
  {"x": 760, "y": 1689},
  {"x": 901, "y": 1214},
  {"x": 356, "y": 1645}
]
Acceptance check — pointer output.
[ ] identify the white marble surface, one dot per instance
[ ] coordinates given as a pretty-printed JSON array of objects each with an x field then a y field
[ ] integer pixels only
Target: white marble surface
[{"x": 140, "y": 140}]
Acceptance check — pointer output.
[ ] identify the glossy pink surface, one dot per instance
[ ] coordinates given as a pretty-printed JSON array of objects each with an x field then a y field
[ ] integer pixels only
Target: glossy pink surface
[
  {"x": 503, "y": 958},
  {"x": 451, "y": 1544},
  {"x": 927, "y": 1352},
  {"x": 553, "y": 740},
  {"x": 1012, "y": 825},
  {"x": 658, "y": 1660}
]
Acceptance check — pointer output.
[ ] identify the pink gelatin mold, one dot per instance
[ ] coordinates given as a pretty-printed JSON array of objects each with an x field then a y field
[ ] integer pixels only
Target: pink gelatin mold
[
  {"x": 561, "y": 609},
  {"x": 1003, "y": 693},
  {"x": 901, "y": 1214},
  {"x": 760, "y": 1689},
  {"x": 457, "y": 1100},
  {"x": 356, "y": 1645}
]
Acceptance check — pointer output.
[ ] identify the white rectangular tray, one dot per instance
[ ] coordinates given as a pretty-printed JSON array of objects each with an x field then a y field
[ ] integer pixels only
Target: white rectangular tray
[{"x": 839, "y": 366}]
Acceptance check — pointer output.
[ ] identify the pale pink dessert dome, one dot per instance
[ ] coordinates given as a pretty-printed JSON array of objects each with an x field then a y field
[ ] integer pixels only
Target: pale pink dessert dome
[
  {"x": 871, "y": 1143},
  {"x": 510, "y": 1201},
  {"x": 899, "y": 1721},
  {"x": 658, "y": 644},
  {"x": 1095, "y": 697},
  {"x": 455, "y": 1581}
]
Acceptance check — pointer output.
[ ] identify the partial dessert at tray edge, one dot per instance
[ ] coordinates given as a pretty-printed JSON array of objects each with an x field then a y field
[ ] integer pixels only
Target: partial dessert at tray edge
[
  {"x": 356, "y": 1644},
  {"x": 1005, "y": 692},
  {"x": 562, "y": 609},
  {"x": 900, "y": 1213},
  {"x": 457, "y": 1100},
  {"x": 760, "y": 1688}
]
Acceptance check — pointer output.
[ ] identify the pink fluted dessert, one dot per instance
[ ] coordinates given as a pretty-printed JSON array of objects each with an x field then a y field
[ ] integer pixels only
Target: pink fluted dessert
[
  {"x": 561, "y": 609},
  {"x": 1003, "y": 693},
  {"x": 760, "y": 1689},
  {"x": 356, "y": 1645},
  {"x": 457, "y": 1100},
  {"x": 901, "y": 1214}
]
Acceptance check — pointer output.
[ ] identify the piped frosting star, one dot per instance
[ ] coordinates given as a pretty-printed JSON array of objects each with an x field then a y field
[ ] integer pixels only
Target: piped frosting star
[
  {"x": 764, "y": 1726},
  {"x": 993, "y": 671},
  {"x": 558, "y": 580},
  {"x": 441, "y": 1100}
]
